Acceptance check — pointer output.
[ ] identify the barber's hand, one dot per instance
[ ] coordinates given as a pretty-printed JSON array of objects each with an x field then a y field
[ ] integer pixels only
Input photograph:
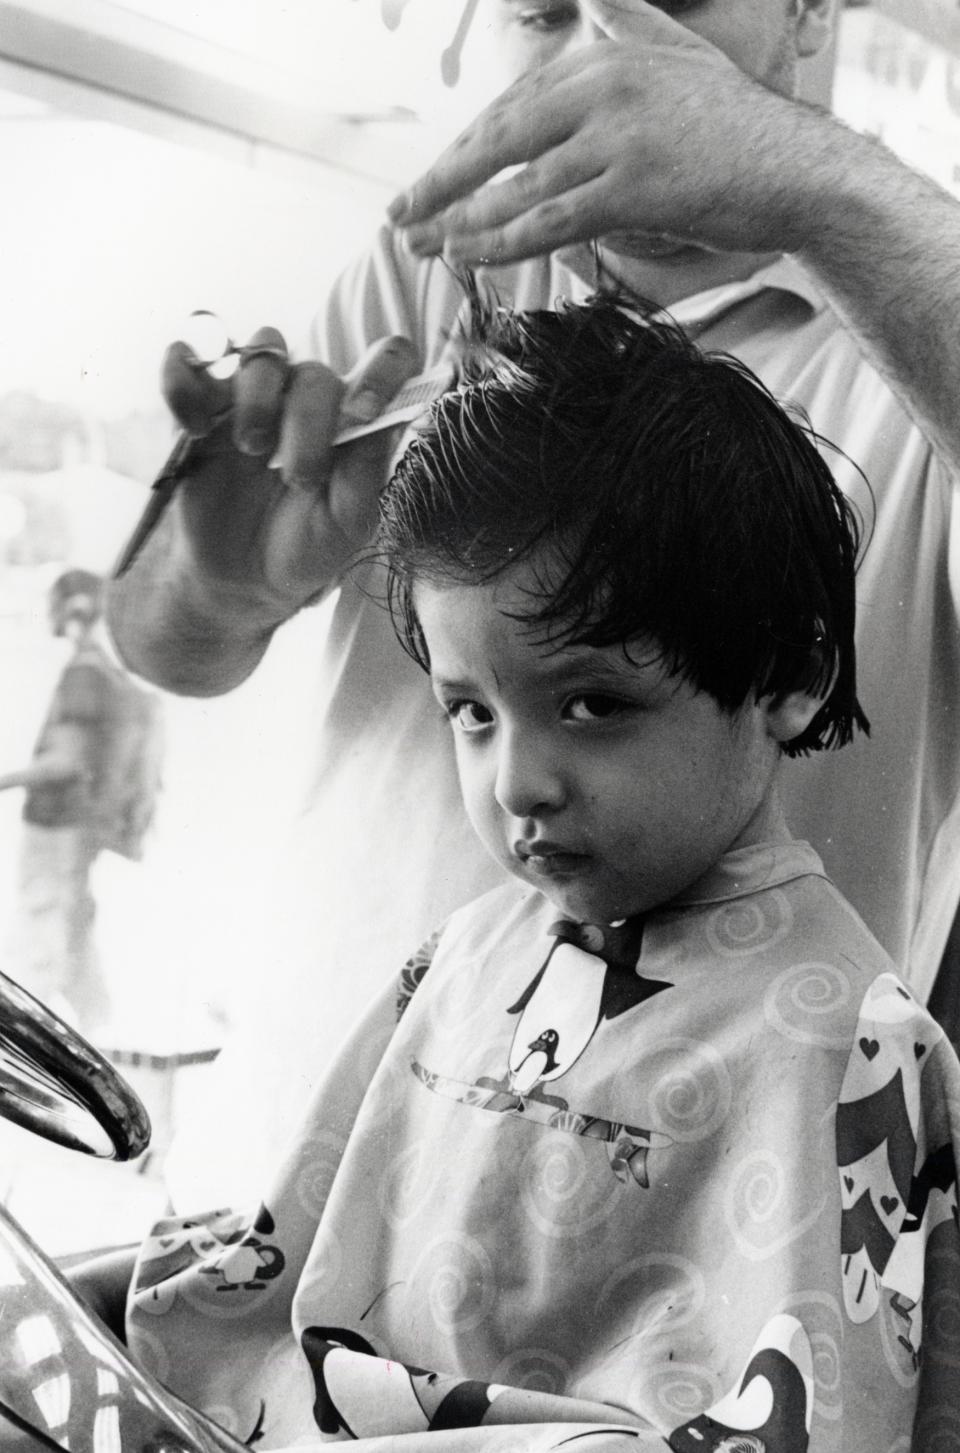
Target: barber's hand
[
  {"x": 242, "y": 545},
  {"x": 656, "y": 133},
  {"x": 276, "y": 536}
]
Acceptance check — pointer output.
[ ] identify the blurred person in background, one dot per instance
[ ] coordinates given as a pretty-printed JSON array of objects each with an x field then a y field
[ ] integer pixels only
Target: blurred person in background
[
  {"x": 91, "y": 786},
  {"x": 665, "y": 150}
]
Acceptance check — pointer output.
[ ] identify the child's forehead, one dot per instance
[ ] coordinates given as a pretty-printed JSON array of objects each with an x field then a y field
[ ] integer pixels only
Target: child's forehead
[
  {"x": 494, "y": 622},
  {"x": 518, "y": 591}
]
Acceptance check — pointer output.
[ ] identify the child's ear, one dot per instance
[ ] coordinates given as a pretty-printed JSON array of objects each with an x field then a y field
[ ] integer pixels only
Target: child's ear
[{"x": 790, "y": 714}]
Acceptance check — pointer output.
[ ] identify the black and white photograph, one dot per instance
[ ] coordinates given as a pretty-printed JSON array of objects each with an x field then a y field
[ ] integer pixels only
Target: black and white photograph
[{"x": 480, "y": 745}]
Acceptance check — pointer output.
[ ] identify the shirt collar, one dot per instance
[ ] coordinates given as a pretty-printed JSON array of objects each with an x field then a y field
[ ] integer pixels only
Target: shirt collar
[
  {"x": 749, "y": 870},
  {"x": 784, "y": 274}
]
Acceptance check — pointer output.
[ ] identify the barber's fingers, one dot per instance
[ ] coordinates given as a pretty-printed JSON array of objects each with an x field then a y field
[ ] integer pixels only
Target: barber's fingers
[
  {"x": 559, "y": 221},
  {"x": 536, "y": 205},
  {"x": 318, "y": 404},
  {"x": 196, "y": 399},
  {"x": 312, "y": 408},
  {"x": 542, "y": 112},
  {"x": 258, "y": 392},
  {"x": 377, "y": 376},
  {"x": 363, "y": 465},
  {"x": 510, "y": 130}
]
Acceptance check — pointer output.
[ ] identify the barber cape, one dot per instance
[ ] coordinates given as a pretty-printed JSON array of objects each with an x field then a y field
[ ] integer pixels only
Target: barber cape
[{"x": 689, "y": 1184}]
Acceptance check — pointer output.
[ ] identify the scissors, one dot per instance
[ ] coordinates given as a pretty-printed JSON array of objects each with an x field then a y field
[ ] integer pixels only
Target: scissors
[{"x": 407, "y": 404}]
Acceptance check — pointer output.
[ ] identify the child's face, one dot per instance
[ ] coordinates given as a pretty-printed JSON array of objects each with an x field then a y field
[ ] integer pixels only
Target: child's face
[{"x": 608, "y": 785}]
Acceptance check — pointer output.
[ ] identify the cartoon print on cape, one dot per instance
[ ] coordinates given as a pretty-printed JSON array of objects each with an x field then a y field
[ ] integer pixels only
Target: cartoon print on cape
[
  {"x": 889, "y": 1206},
  {"x": 366, "y": 1396},
  {"x": 771, "y": 1406},
  {"x": 361, "y": 1394},
  {"x": 224, "y": 1245},
  {"x": 589, "y": 976}
]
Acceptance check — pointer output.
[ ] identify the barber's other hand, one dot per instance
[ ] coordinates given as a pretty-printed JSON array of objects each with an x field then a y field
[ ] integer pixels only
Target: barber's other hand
[
  {"x": 273, "y": 537},
  {"x": 655, "y": 132}
]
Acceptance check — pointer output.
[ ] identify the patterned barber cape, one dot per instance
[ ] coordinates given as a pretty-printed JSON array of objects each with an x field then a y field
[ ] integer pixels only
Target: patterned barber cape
[{"x": 690, "y": 1184}]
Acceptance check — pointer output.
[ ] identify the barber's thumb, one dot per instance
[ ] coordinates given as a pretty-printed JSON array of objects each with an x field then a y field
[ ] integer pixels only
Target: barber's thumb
[
  {"x": 196, "y": 399},
  {"x": 377, "y": 377}
]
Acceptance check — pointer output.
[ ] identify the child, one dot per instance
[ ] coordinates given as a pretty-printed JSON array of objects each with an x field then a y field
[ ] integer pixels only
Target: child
[{"x": 660, "y": 1151}]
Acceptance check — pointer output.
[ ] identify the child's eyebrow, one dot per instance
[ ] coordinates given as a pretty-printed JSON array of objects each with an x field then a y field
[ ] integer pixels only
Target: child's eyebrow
[
  {"x": 594, "y": 663},
  {"x": 601, "y": 667},
  {"x": 447, "y": 684},
  {"x": 452, "y": 685}
]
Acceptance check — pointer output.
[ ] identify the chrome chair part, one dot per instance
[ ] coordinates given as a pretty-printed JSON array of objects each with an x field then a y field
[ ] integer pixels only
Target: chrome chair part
[
  {"x": 56, "y": 1084},
  {"x": 66, "y": 1382}
]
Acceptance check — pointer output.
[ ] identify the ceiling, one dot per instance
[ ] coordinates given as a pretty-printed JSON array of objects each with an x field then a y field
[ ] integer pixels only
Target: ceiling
[{"x": 347, "y": 83}]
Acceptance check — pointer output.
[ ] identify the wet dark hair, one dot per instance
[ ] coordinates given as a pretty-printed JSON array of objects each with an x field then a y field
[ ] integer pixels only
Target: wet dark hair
[{"x": 659, "y": 492}]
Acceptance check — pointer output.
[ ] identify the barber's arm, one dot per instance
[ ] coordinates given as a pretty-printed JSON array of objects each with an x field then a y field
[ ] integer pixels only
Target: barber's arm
[
  {"x": 243, "y": 546},
  {"x": 660, "y": 133}
]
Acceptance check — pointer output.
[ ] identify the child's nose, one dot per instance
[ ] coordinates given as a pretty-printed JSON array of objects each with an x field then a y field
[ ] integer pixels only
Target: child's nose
[{"x": 529, "y": 778}]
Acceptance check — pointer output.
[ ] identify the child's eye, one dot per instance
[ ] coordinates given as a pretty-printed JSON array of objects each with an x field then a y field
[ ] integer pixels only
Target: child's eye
[
  {"x": 593, "y": 706},
  {"x": 467, "y": 716}
]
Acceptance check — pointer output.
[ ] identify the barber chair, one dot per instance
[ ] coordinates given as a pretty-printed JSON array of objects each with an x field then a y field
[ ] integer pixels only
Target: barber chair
[{"x": 66, "y": 1383}]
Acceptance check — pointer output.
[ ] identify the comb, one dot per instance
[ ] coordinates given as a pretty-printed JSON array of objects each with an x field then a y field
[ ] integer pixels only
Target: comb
[{"x": 412, "y": 399}]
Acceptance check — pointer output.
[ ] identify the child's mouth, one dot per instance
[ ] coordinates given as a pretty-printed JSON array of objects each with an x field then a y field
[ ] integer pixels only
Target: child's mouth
[{"x": 549, "y": 859}]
